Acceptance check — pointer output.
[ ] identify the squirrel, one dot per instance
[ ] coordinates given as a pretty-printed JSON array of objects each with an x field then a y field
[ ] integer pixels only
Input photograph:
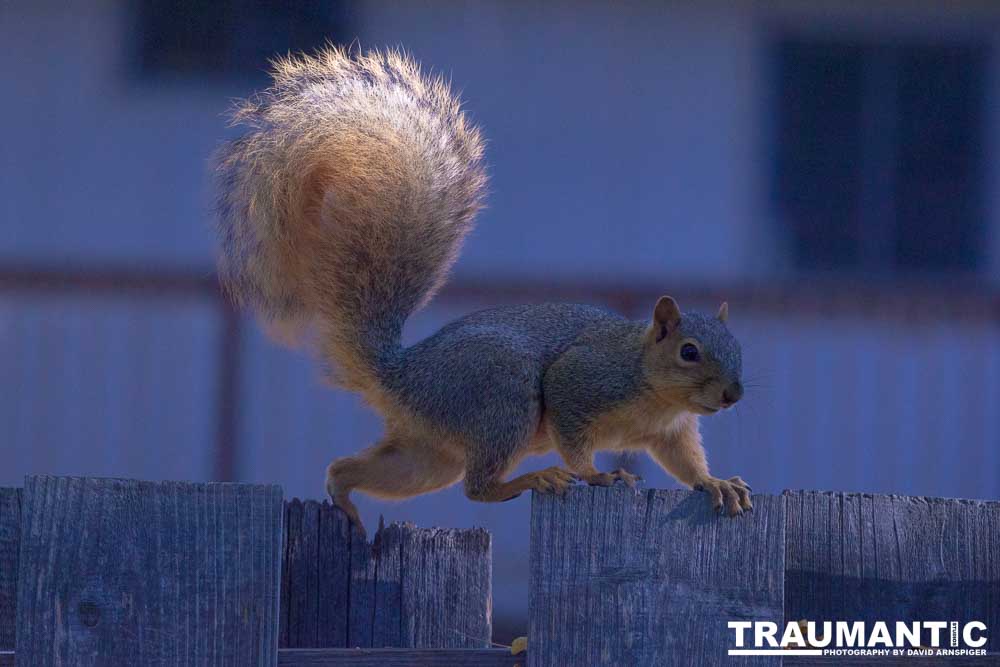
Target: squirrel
[{"x": 341, "y": 211}]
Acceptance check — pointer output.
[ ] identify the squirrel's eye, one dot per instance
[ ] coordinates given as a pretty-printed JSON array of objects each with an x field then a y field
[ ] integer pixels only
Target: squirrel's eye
[{"x": 689, "y": 352}]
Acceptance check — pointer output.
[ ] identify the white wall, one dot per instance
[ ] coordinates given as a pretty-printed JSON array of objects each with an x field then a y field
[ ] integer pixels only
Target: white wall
[
  {"x": 628, "y": 141},
  {"x": 101, "y": 166},
  {"x": 97, "y": 166},
  {"x": 107, "y": 387},
  {"x": 622, "y": 135}
]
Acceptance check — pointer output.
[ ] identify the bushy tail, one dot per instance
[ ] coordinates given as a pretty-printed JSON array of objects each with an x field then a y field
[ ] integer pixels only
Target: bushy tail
[{"x": 347, "y": 202}]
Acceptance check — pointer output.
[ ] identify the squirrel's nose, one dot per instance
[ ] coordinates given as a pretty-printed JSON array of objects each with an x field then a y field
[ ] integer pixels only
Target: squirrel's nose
[{"x": 732, "y": 393}]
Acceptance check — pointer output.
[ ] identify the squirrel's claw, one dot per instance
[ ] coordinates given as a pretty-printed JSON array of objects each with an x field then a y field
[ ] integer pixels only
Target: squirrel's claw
[
  {"x": 609, "y": 478},
  {"x": 730, "y": 496},
  {"x": 553, "y": 480},
  {"x": 743, "y": 491},
  {"x": 344, "y": 503}
]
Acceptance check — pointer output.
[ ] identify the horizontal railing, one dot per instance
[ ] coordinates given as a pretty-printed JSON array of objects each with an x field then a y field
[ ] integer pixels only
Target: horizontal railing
[{"x": 822, "y": 295}]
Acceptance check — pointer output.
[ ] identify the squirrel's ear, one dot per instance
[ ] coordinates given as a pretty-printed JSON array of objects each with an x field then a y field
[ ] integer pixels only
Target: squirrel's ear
[
  {"x": 723, "y": 312},
  {"x": 666, "y": 317}
]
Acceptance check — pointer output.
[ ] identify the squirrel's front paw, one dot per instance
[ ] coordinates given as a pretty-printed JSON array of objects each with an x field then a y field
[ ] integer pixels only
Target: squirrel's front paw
[
  {"x": 733, "y": 493},
  {"x": 609, "y": 478},
  {"x": 552, "y": 480}
]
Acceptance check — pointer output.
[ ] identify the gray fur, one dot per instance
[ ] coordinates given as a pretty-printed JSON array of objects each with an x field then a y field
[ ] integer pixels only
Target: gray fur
[
  {"x": 718, "y": 343},
  {"x": 602, "y": 370},
  {"x": 491, "y": 375},
  {"x": 482, "y": 376}
]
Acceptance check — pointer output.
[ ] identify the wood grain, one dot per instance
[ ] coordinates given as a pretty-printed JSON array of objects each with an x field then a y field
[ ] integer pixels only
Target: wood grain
[
  {"x": 626, "y": 577},
  {"x": 446, "y": 587},
  {"x": 894, "y": 661},
  {"x": 10, "y": 540},
  {"x": 305, "y": 582},
  {"x": 380, "y": 657},
  {"x": 410, "y": 587},
  {"x": 398, "y": 657},
  {"x": 121, "y": 572},
  {"x": 863, "y": 557}
]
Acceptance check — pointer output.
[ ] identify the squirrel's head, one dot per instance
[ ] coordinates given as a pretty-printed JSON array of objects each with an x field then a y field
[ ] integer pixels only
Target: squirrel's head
[{"x": 692, "y": 359}]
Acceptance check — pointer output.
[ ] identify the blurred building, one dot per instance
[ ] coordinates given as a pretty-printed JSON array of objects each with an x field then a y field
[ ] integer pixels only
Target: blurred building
[{"x": 832, "y": 170}]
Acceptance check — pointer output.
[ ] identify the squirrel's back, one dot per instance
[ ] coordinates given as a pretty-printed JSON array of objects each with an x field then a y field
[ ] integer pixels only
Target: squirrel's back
[{"x": 346, "y": 203}]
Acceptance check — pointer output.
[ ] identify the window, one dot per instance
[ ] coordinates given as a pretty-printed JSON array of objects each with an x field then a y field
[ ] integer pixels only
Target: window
[
  {"x": 879, "y": 155},
  {"x": 231, "y": 38}
]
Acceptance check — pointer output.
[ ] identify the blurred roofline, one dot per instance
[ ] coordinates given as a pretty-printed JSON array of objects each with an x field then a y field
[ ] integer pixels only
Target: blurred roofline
[{"x": 815, "y": 295}]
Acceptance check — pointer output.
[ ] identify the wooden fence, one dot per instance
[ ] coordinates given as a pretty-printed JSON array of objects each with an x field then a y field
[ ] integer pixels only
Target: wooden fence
[
  {"x": 120, "y": 572},
  {"x": 626, "y": 578},
  {"x": 426, "y": 588},
  {"x": 621, "y": 577}
]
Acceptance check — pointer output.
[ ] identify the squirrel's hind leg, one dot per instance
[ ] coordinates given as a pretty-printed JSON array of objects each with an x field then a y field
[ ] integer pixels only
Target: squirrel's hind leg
[
  {"x": 578, "y": 453},
  {"x": 397, "y": 467},
  {"x": 484, "y": 479},
  {"x": 550, "y": 480},
  {"x": 513, "y": 429}
]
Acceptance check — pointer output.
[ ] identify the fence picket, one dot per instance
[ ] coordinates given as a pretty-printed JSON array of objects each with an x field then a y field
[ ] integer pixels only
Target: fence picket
[
  {"x": 626, "y": 577},
  {"x": 410, "y": 588},
  {"x": 121, "y": 572},
  {"x": 864, "y": 557},
  {"x": 10, "y": 541}
]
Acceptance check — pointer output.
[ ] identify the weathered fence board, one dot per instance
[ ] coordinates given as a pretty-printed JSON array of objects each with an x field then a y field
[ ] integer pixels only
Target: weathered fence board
[
  {"x": 862, "y": 557},
  {"x": 126, "y": 572},
  {"x": 446, "y": 588},
  {"x": 398, "y": 657},
  {"x": 622, "y": 577},
  {"x": 419, "y": 588},
  {"x": 10, "y": 540},
  {"x": 315, "y": 576}
]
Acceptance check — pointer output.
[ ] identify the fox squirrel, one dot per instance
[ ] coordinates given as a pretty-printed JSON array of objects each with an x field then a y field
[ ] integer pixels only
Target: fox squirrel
[{"x": 343, "y": 209}]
